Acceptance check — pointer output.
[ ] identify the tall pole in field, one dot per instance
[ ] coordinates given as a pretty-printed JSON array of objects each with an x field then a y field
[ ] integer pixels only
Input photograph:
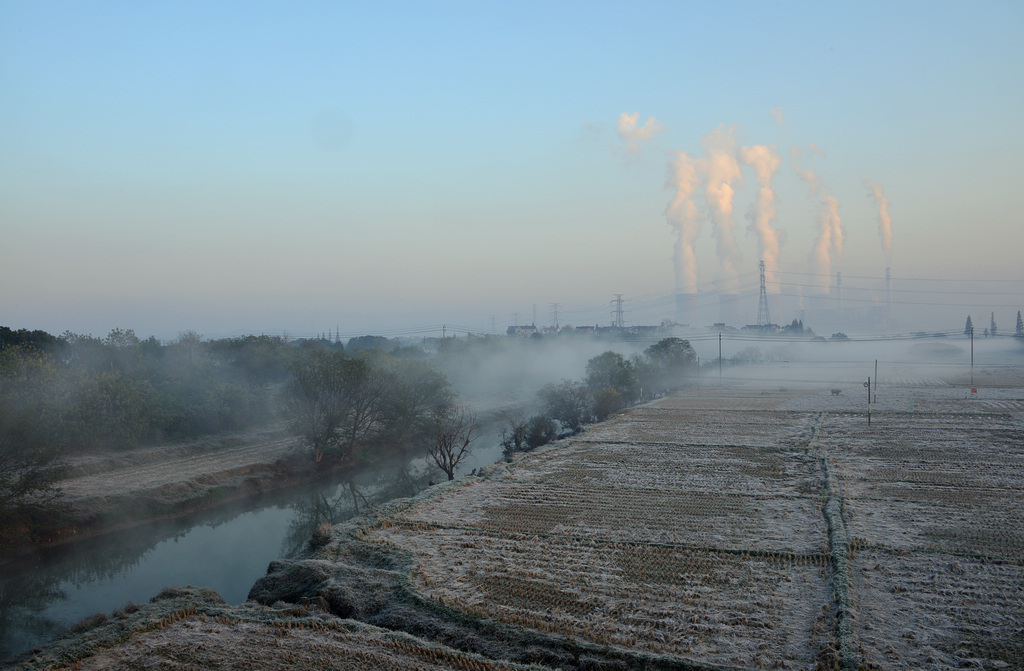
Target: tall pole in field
[
  {"x": 876, "y": 381},
  {"x": 719, "y": 358},
  {"x": 868, "y": 385},
  {"x": 972, "y": 357}
]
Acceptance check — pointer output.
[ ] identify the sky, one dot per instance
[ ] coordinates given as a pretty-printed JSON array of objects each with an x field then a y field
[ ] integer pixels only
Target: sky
[{"x": 402, "y": 167}]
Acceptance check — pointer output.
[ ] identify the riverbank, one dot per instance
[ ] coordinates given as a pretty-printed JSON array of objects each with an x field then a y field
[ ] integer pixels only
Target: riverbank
[
  {"x": 751, "y": 527},
  {"x": 112, "y": 492}
]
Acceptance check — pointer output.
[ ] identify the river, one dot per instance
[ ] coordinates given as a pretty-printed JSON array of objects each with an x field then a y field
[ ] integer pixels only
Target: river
[{"x": 226, "y": 549}]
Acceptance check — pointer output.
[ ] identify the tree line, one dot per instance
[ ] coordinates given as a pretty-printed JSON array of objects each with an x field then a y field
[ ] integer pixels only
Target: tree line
[
  {"x": 72, "y": 395},
  {"x": 76, "y": 394},
  {"x": 611, "y": 382},
  {"x": 352, "y": 406}
]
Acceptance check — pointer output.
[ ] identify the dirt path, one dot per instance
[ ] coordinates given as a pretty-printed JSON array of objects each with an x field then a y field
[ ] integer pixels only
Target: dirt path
[{"x": 150, "y": 468}]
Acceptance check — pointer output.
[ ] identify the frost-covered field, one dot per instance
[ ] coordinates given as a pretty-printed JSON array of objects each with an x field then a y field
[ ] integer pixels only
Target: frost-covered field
[{"x": 755, "y": 525}]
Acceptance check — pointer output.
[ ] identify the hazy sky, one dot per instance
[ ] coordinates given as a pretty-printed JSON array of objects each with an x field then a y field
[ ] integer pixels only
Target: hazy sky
[{"x": 237, "y": 167}]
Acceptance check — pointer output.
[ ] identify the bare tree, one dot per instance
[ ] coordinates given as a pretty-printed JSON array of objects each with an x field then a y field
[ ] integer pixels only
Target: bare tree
[
  {"x": 513, "y": 433},
  {"x": 454, "y": 430}
]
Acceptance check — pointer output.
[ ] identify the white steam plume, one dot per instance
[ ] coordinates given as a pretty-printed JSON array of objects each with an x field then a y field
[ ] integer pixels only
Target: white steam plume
[
  {"x": 828, "y": 244},
  {"x": 884, "y": 219},
  {"x": 722, "y": 170},
  {"x": 829, "y": 241},
  {"x": 684, "y": 177},
  {"x": 632, "y": 134},
  {"x": 766, "y": 161}
]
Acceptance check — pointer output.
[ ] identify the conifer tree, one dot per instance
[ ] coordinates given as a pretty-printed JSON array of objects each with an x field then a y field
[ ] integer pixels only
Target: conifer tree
[
  {"x": 969, "y": 326},
  {"x": 1020, "y": 324}
]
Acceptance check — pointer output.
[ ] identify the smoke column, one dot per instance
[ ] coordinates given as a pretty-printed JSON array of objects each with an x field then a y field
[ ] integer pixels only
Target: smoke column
[
  {"x": 765, "y": 161},
  {"x": 884, "y": 220},
  {"x": 830, "y": 237},
  {"x": 684, "y": 177},
  {"x": 632, "y": 135},
  {"x": 829, "y": 241},
  {"x": 722, "y": 170}
]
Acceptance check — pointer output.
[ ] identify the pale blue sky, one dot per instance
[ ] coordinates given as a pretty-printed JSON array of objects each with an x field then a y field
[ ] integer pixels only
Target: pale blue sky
[{"x": 235, "y": 167}]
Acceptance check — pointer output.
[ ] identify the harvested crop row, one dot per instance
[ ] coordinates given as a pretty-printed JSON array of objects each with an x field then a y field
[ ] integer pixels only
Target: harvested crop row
[
  {"x": 649, "y": 515},
  {"x": 965, "y": 612},
  {"x": 690, "y": 602},
  {"x": 735, "y": 469}
]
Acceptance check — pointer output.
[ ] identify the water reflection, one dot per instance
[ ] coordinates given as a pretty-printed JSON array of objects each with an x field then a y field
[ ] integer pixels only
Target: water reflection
[
  {"x": 352, "y": 497},
  {"x": 43, "y": 593}
]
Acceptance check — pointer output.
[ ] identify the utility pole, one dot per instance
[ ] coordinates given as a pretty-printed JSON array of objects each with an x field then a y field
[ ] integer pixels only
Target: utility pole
[
  {"x": 719, "y": 358},
  {"x": 972, "y": 358},
  {"x": 617, "y": 312},
  {"x": 868, "y": 385},
  {"x": 876, "y": 381}
]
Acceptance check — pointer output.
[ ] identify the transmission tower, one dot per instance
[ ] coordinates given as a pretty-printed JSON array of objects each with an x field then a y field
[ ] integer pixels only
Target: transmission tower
[
  {"x": 617, "y": 312},
  {"x": 762, "y": 307},
  {"x": 554, "y": 312}
]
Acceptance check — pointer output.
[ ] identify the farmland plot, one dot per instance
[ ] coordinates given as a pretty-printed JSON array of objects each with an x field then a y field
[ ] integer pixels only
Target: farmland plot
[
  {"x": 698, "y": 535},
  {"x": 935, "y": 512},
  {"x": 694, "y": 529}
]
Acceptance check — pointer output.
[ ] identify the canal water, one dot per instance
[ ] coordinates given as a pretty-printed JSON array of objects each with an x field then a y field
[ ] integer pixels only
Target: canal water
[{"x": 227, "y": 549}]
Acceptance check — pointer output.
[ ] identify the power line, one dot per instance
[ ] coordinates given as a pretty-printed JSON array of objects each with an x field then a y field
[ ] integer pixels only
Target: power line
[
  {"x": 902, "y": 279},
  {"x": 906, "y": 291}
]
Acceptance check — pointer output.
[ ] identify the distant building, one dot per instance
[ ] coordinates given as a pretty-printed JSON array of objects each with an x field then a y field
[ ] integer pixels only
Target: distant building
[{"x": 522, "y": 331}]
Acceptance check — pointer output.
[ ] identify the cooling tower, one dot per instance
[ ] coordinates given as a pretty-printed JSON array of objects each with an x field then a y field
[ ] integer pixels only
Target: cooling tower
[
  {"x": 684, "y": 308},
  {"x": 729, "y": 309}
]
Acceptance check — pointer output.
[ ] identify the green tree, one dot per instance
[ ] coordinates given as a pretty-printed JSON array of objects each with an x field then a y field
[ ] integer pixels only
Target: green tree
[
  {"x": 29, "y": 471},
  {"x": 969, "y": 326},
  {"x": 316, "y": 400},
  {"x": 606, "y": 402},
  {"x": 1020, "y": 324},
  {"x": 368, "y": 342},
  {"x": 569, "y": 402},
  {"x": 673, "y": 358},
  {"x": 540, "y": 431},
  {"x": 337, "y": 403},
  {"x": 417, "y": 392},
  {"x": 612, "y": 371},
  {"x": 111, "y": 410},
  {"x": 992, "y": 328}
]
